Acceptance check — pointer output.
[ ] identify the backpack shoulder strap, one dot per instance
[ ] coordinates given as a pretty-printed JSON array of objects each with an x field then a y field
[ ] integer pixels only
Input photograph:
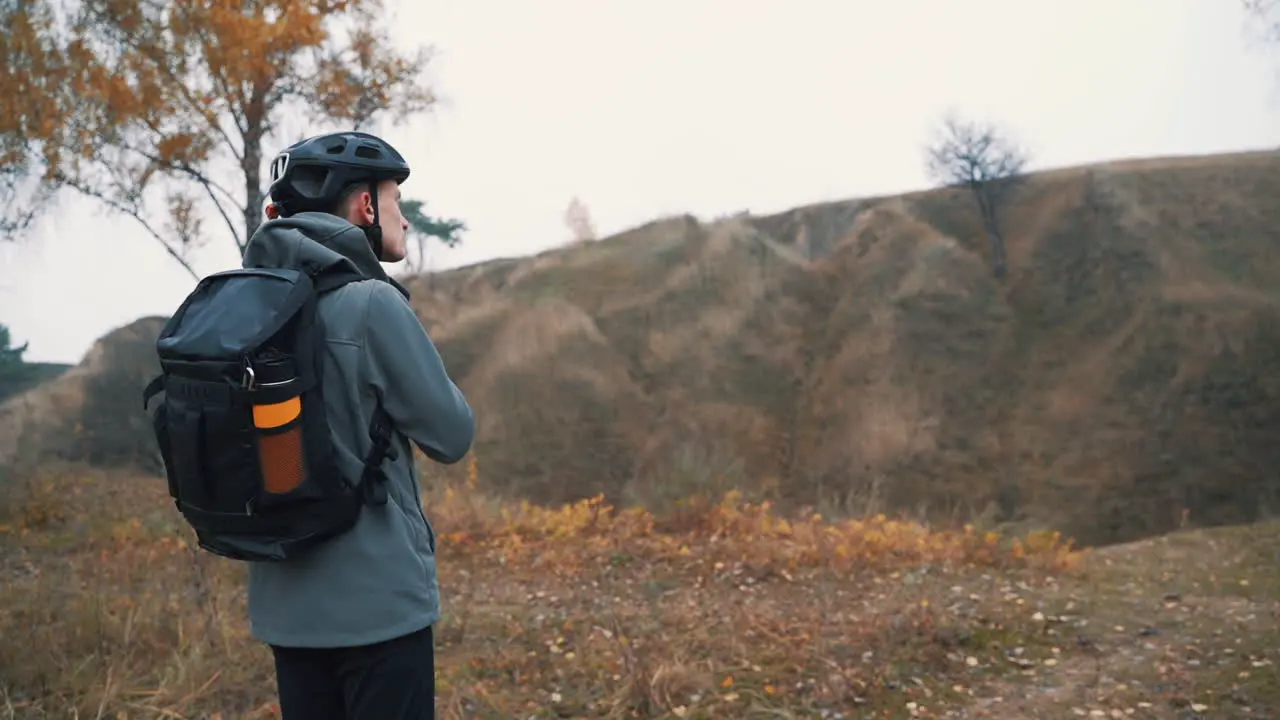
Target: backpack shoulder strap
[
  {"x": 373, "y": 480},
  {"x": 153, "y": 388}
]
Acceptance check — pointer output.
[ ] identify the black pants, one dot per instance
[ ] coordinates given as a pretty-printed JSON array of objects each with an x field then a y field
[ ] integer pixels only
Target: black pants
[{"x": 392, "y": 680}]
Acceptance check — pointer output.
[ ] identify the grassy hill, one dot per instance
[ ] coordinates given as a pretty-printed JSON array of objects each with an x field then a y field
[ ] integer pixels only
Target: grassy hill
[
  {"x": 1122, "y": 381},
  {"x": 723, "y": 610},
  {"x": 92, "y": 412}
]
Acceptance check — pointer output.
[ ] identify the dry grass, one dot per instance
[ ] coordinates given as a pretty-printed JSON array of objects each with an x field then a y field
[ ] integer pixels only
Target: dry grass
[
  {"x": 109, "y": 612},
  {"x": 719, "y": 609}
]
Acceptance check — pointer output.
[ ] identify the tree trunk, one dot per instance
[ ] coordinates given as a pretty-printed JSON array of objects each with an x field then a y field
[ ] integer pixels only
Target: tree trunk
[
  {"x": 987, "y": 206},
  {"x": 255, "y": 129},
  {"x": 253, "y": 196},
  {"x": 999, "y": 261}
]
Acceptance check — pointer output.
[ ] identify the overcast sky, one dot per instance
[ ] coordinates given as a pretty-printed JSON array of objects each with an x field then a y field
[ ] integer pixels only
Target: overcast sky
[{"x": 645, "y": 109}]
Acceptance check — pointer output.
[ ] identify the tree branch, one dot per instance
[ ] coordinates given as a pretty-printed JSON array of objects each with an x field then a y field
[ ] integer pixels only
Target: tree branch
[
  {"x": 208, "y": 188},
  {"x": 179, "y": 83},
  {"x": 183, "y": 167},
  {"x": 131, "y": 212}
]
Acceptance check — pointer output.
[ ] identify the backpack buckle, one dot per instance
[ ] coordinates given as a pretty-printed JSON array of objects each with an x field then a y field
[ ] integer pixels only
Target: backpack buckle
[{"x": 249, "y": 380}]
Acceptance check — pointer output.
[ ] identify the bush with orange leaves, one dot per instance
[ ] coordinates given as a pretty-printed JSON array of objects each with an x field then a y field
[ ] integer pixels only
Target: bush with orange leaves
[{"x": 738, "y": 530}]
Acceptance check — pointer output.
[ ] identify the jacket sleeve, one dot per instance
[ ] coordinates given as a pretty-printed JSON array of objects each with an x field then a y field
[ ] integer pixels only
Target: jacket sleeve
[{"x": 410, "y": 379}]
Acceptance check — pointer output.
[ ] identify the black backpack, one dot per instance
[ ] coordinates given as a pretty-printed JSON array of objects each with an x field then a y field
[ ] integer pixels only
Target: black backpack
[{"x": 242, "y": 428}]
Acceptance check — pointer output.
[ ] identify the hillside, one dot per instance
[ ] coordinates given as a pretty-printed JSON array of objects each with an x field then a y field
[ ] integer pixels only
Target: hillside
[
  {"x": 20, "y": 377},
  {"x": 854, "y": 356},
  {"x": 91, "y": 412}
]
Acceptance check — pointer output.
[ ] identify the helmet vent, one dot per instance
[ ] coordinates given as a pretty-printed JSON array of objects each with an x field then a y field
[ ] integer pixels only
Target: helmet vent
[
  {"x": 336, "y": 148},
  {"x": 308, "y": 181},
  {"x": 368, "y": 152}
]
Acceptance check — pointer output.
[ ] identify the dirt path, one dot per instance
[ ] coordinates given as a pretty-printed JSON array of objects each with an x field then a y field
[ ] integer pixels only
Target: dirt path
[{"x": 1186, "y": 626}]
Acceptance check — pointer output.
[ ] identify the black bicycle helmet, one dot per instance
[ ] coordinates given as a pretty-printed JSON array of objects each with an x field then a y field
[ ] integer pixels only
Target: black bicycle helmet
[{"x": 314, "y": 174}]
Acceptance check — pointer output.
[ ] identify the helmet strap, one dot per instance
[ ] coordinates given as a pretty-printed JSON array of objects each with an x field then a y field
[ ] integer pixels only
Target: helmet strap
[{"x": 374, "y": 232}]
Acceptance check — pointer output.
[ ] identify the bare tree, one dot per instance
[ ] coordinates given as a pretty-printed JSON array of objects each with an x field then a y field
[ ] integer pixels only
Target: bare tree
[
  {"x": 980, "y": 157},
  {"x": 578, "y": 219}
]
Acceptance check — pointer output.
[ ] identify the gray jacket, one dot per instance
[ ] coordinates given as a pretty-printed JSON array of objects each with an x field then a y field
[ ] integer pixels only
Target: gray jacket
[{"x": 377, "y": 581}]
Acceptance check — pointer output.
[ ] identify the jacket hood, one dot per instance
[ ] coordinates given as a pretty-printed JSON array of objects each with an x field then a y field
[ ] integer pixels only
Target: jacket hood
[{"x": 317, "y": 243}]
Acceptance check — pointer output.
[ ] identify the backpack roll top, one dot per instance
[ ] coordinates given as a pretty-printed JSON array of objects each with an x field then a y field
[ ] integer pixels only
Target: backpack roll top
[{"x": 242, "y": 428}]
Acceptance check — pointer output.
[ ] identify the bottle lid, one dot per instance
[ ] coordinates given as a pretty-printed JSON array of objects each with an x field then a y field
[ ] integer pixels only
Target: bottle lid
[{"x": 275, "y": 371}]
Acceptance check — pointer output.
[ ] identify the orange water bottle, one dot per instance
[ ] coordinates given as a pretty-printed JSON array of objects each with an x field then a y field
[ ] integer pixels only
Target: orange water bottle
[{"x": 281, "y": 455}]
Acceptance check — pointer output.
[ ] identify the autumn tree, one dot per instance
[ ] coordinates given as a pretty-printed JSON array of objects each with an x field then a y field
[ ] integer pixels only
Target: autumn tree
[
  {"x": 31, "y": 74},
  {"x": 578, "y": 219},
  {"x": 131, "y": 102},
  {"x": 981, "y": 157}
]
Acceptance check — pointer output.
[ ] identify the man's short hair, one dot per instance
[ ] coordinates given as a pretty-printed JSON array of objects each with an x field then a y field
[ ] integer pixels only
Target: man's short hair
[{"x": 344, "y": 198}]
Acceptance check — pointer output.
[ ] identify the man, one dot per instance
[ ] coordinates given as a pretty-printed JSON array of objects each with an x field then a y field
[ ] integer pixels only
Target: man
[{"x": 350, "y": 624}]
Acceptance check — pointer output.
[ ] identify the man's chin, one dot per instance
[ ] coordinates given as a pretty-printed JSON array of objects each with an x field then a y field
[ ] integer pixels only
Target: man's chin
[{"x": 392, "y": 257}]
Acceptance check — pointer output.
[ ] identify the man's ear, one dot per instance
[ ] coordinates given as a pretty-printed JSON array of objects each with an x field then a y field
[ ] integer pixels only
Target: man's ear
[{"x": 364, "y": 207}]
